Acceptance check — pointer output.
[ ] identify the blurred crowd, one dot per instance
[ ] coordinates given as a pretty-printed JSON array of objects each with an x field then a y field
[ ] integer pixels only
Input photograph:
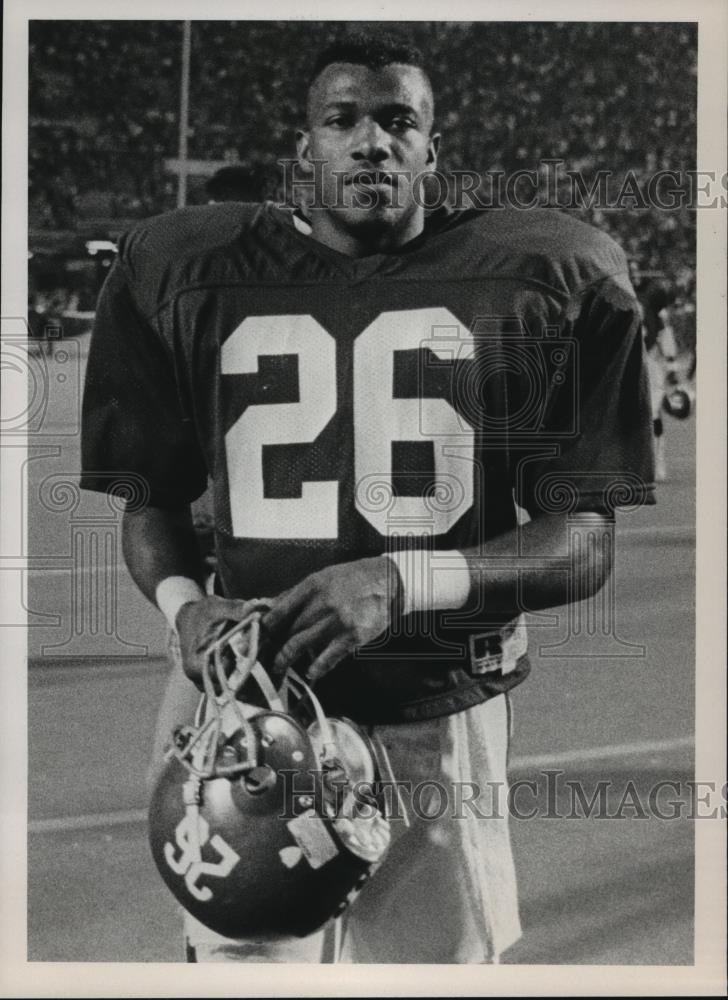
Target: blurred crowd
[{"x": 104, "y": 104}]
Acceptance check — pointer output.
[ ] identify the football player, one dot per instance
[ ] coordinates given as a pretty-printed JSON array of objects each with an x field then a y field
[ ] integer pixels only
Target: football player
[
  {"x": 372, "y": 390},
  {"x": 656, "y": 297}
]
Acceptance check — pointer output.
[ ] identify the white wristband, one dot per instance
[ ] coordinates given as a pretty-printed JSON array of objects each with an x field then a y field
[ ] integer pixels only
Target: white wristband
[
  {"x": 432, "y": 579},
  {"x": 173, "y": 592}
]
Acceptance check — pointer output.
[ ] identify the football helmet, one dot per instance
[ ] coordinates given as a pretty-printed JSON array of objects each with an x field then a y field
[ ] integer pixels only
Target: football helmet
[
  {"x": 678, "y": 402},
  {"x": 268, "y": 817}
]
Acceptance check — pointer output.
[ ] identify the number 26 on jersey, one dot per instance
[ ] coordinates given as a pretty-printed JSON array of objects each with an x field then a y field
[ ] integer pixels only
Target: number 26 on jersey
[{"x": 379, "y": 420}]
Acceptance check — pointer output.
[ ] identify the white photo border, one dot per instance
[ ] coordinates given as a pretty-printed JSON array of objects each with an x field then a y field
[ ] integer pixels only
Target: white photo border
[{"x": 707, "y": 977}]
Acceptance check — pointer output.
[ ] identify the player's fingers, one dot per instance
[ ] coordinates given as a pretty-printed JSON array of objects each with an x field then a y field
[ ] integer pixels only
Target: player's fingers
[
  {"x": 283, "y": 608},
  {"x": 290, "y": 610},
  {"x": 306, "y": 641},
  {"x": 211, "y": 633},
  {"x": 203, "y": 621},
  {"x": 334, "y": 653},
  {"x": 195, "y": 665},
  {"x": 229, "y": 608}
]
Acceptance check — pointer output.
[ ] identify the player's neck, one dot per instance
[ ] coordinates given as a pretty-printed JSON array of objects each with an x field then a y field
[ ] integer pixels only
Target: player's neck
[{"x": 365, "y": 242}]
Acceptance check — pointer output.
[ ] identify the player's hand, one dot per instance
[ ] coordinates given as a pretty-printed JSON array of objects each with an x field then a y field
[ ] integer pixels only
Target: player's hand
[
  {"x": 331, "y": 613},
  {"x": 198, "y": 624}
]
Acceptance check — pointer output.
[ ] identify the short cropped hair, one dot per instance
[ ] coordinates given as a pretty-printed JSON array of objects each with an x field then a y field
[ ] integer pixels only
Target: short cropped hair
[{"x": 373, "y": 48}]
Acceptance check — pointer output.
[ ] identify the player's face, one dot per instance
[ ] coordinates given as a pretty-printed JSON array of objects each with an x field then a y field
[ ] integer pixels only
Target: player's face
[{"x": 367, "y": 146}]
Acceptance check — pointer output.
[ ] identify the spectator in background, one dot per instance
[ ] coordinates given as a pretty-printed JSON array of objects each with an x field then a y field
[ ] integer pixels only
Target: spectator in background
[
  {"x": 685, "y": 332},
  {"x": 656, "y": 296},
  {"x": 45, "y": 314}
]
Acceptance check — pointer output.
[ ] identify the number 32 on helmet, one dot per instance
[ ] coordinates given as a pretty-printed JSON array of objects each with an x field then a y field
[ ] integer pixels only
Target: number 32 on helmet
[{"x": 268, "y": 817}]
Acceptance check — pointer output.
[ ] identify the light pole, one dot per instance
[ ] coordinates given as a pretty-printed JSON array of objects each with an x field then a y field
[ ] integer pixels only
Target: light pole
[{"x": 184, "y": 112}]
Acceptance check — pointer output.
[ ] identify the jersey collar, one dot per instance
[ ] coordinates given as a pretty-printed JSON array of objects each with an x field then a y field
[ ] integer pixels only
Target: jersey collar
[{"x": 298, "y": 230}]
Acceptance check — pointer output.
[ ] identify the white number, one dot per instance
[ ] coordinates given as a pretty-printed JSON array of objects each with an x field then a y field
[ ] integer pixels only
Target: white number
[
  {"x": 379, "y": 420},
  {"x": 189, "y": 862},
  {"x": 316, "y": 513}
]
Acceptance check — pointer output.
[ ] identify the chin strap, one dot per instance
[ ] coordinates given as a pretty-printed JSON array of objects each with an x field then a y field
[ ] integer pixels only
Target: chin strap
[{"x": 291, "y": 682}]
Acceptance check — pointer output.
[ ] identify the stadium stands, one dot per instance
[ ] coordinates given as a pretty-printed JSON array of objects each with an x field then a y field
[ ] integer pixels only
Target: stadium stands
[{"x": 597, "y": 96}]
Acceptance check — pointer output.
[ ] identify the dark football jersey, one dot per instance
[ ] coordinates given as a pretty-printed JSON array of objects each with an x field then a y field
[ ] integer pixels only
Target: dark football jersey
[{"x": 346, "y": 407}]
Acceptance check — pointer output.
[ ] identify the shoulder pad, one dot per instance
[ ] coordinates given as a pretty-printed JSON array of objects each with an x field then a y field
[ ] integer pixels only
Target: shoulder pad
[
  {"x": 154, "y": 250},
  {"x": 549, "y": 245}
]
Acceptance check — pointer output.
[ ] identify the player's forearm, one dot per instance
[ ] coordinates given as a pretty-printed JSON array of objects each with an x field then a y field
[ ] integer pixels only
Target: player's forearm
[
  {"x": 161, "y": 551},
  {"x": 160, "y": 544},
  {"x": 548, "y": 562}
]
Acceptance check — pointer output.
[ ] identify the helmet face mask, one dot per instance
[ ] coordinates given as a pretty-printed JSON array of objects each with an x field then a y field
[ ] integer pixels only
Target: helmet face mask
[{"x": 260, "y": 824}]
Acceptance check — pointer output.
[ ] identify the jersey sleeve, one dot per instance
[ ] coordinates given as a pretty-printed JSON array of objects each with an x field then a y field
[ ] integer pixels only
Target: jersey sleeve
[
  {"x": 136, "y": 440},
  {"x": 594, "y": 449}
]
